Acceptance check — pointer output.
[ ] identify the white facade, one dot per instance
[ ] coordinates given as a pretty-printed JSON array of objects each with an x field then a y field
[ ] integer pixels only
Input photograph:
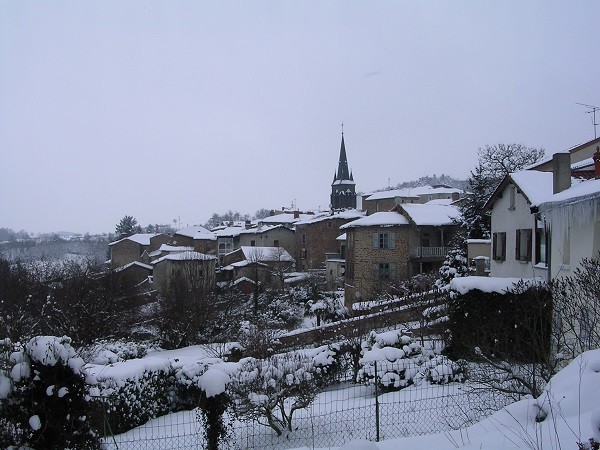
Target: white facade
[{"x": 512, "y": 219}]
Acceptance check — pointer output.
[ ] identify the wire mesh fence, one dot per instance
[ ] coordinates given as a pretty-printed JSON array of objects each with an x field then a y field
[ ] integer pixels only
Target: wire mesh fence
[{"x": 342, "y": 411}]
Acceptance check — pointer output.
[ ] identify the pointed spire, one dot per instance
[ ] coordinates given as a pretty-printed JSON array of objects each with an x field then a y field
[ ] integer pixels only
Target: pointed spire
[
  {"x": 351, "y": 177},
  {"x": 342, "y": 172}
]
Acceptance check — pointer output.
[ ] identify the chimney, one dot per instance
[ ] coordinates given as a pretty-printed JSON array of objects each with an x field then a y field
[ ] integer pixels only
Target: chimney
[
  {"x": 296, "y": 214},
  {"x": 561, "y": 170},
  {"x": 247, "y": 224},
  {"x": 597, "y": 163}
]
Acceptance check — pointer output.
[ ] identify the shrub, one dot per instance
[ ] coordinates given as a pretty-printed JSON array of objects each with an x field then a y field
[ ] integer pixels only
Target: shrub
[
  {"x": 46, "y": 406},
  {"x": 270, "y": 391}
]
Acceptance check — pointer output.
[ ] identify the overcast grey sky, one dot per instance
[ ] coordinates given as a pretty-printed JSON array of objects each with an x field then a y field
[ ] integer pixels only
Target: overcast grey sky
[{"x": 180, "y": 109}]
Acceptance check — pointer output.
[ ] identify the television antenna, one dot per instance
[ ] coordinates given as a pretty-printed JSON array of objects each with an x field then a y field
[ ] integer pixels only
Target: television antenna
[{"x": 591, "y": 110}]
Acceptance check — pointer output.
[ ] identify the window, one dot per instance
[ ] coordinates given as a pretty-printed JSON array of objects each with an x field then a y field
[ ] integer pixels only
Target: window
[
  {"x": 523, "y": 245},
  {"x": 349, "y": 270},
  {"x": 512, "y": 193},
  {"x": 383, "y": 240},
  {"x": 303, "y": 238},
  {"x": 303, "y": 253},
  {"x": 541, "y": 239},
  {"x": 252, "y": 243},
  {"x": 384, "y": 270},
  {"x": 276, "y": 243},
  {"x": 499, "y": 246}
]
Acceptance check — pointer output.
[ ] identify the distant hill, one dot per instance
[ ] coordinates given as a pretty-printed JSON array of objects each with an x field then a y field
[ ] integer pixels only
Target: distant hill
[{"x": 430, "y": 180}]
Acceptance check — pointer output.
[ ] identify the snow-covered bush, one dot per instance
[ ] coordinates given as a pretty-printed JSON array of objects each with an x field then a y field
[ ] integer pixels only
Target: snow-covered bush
[
  {"x": 329, "y": 363},
  {"x": 271, "y": 390},
  {"x": 326, "y": 306},
  {"x": 109, "y": 352},
  {"x": 44, "y": 403},
  {"x": 440, "y": 370},
  {"x": 128, "y": 394},
  {"x": 394, "y": 356}
]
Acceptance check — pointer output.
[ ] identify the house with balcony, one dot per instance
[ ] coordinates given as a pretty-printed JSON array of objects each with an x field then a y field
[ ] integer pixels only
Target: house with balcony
[{"x": 388, "y": 247}]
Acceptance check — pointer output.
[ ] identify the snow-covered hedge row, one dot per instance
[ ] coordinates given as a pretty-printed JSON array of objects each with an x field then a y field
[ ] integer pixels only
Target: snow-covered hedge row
[
  {"x": 394, "y": 361},
  {"x": 130, "y": 393}
]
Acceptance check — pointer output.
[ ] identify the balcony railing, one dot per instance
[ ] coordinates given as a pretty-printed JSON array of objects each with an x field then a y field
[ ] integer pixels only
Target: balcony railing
[{"x": 429, "y": 252}]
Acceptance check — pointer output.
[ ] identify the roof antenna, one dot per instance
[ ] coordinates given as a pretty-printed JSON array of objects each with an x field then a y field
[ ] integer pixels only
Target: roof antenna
[{"x": 592, "y": 110}]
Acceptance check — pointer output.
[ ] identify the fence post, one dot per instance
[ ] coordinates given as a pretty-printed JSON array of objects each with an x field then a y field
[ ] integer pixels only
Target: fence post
[{"x": 376, "y": 406}]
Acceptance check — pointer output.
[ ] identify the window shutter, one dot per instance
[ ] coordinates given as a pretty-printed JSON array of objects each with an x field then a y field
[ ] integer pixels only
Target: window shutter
[
  {"x": 503, "y": 239},
  {"x": 495, "y": 246},
  {"x": 375, "y": 270},
  {"x": 392, "y": 240},
  {"x": 392, "y": 270},
  {"x": 375, "y": 240},
  {"x": 529, "y": 245},
  {"x": 518, "y": 245}
]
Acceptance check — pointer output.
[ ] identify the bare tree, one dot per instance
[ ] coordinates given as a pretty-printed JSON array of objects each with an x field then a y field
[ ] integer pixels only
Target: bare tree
[{"x": 498, "y": 160}]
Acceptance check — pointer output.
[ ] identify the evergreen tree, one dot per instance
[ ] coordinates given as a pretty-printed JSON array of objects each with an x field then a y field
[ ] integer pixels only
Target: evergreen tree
[
  {"x": 474, "y": 220},
  {"x": 126, "y": 227}
]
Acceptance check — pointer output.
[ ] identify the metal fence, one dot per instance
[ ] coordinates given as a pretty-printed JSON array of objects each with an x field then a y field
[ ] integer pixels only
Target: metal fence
[{"x": 341, "y": 412}]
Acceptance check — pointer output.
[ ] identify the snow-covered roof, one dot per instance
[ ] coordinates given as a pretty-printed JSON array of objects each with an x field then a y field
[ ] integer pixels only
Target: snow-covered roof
[
  {"x": 134, "y": 263},
  {"x": 265, "y": 253},
  {"x": 440, "y": 201},
  {"x": 431, "y": 214},
  {"x": 174, "y": 248},
  {"x": 583, "y": 163},
  {"x": 140, "y": 238},
  {"x": 414, "y": 192},
  {"x": 535, "y": 185},
  {"x": 379, "y": 219},
  {"x": 185, "y": 256},
  {"x": 229, "y": 231},
  {"x": 341, "y": 237},
  {"x": 586, "y": 190},
  {"x": 285, "y": 218},
  {"x": 347, "y": 214},
  {"x": 197, "y": 232},
  {"x": 263, "y": 229}
]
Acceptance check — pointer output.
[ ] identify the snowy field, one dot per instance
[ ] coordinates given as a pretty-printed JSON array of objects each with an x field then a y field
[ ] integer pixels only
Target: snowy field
[{"x": 444, "y": 417}]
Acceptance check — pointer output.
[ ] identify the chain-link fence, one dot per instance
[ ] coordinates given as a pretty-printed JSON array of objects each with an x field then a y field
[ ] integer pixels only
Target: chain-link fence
[{"x": 340, "y": 412}]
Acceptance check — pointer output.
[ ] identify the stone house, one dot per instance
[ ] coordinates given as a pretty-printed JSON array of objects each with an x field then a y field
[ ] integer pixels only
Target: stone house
[
  {"x": 198, "y": 237},
  {"x": 268, "y": 236},
  {"x": 134, "y": 273},
  {"x": 392, "y": 246},
  {"x": 260, "y": 264},
  {"x": 317, "y": 236},
  {"x": 198, "y": 268},
  {"x": 387, "y": 200},
  {"x": 130, "y": 249}
]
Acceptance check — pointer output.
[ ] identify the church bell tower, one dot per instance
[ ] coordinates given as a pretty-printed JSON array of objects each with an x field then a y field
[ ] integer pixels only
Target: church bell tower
[{"x": 343, "y": 188}]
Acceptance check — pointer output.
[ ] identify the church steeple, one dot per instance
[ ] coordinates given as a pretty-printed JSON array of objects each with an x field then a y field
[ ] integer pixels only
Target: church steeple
[
  {"x": 343, "y": 191},
  {"x": 343, "y": 172}
]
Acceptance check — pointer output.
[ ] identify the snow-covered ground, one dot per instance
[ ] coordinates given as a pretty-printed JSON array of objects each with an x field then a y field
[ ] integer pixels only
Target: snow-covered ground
[{"x": 570, "y": 407}]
